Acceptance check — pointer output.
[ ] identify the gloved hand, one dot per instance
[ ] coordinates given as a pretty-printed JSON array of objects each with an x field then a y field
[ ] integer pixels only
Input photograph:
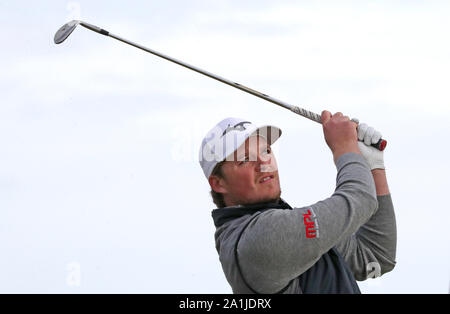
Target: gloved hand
[{"x": 367, "y": 136}]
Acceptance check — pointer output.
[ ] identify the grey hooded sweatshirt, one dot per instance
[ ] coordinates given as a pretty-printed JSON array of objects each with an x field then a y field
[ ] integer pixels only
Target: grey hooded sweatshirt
[{"x": 320, "y": 248}]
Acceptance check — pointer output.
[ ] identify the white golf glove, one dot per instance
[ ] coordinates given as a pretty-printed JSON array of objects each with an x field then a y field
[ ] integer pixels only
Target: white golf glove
[{"x": 367, "y": 136}]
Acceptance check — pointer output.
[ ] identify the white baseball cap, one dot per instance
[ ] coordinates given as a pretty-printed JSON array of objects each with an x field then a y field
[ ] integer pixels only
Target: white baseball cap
[{"x": 226, "y": 137}]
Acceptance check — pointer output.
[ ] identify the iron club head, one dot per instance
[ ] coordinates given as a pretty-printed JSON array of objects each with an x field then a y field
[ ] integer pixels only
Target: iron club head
[{"x": 65, "y": 31}]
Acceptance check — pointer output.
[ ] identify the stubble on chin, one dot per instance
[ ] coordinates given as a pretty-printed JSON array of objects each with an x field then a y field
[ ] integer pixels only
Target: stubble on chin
[{"x": 269, "y": 199}]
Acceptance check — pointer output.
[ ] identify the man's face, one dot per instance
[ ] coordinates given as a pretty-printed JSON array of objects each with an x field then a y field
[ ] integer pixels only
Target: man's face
[{"x": 251, "y": 174}]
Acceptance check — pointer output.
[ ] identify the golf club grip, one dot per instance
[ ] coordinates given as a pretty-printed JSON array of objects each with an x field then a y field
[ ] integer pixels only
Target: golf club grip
[{"x": 381, "y": 145}]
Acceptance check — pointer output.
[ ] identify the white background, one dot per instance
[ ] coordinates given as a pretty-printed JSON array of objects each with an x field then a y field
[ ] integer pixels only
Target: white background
[{"x": 100, "y": 188}]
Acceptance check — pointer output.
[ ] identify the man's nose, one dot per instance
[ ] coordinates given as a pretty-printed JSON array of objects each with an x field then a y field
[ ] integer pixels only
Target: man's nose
[
  {"x": 264, "y": 158},
  {"x": 265, "y": 163}
]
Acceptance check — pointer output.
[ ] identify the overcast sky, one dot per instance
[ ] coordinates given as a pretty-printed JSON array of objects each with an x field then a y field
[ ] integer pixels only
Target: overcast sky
[{"x": 100, "y": 187}]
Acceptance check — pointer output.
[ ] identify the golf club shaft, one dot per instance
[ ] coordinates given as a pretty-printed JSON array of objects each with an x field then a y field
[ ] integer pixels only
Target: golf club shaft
[
  {"x": 300, "y": 111},
  {"x": 305, "y": 113}
]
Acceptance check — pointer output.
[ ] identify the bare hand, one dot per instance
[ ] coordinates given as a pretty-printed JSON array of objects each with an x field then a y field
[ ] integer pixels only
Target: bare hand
[{"x": 340, "y": 134}]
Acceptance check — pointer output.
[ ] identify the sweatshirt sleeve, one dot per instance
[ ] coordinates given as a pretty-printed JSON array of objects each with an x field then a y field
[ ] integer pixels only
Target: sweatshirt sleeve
[
  {"x": 370, "y": 252},
  {"x": 279, "y": 245}
]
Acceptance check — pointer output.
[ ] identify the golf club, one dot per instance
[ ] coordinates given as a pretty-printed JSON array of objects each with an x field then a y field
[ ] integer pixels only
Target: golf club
[{"x": 67, "y": 29}]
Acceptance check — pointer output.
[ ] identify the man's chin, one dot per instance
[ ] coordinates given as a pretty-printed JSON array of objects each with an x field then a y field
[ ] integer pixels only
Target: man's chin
[{"x": 271, "y": 199}]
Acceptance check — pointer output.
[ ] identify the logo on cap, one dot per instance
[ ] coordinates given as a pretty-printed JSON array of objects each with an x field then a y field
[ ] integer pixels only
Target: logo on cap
[{"x": 237, "y": 127}]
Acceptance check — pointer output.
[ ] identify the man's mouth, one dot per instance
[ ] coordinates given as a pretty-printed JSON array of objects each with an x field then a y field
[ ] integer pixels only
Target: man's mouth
[{"x": 266, "y": 179}]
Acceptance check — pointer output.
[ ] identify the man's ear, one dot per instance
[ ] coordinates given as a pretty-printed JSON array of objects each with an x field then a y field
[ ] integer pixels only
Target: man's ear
[{"x": 217, "y": 184}]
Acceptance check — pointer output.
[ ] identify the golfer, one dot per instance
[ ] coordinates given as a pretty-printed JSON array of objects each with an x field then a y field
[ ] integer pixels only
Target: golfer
[{"x": 267, "y": 246}]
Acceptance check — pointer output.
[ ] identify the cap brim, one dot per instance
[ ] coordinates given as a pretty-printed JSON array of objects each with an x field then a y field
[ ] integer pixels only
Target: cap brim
[{"x": 269, "y": 132}]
